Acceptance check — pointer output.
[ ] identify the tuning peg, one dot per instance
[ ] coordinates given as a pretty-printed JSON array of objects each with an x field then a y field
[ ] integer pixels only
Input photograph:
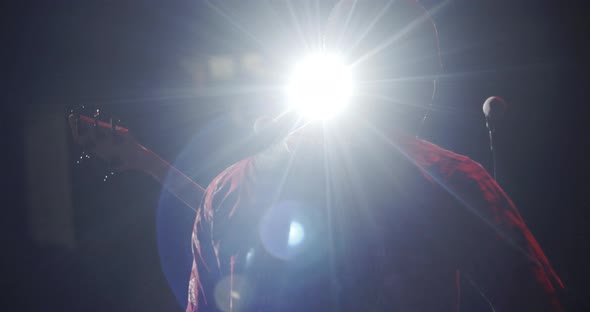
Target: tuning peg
[
  {"x": 96, "y": 115},
  {"x": 74, "y": 111},
  {"x": 108, "y": 176},
  {"x": 111, "y": 171},
  {"x": 83, "y": 157}
]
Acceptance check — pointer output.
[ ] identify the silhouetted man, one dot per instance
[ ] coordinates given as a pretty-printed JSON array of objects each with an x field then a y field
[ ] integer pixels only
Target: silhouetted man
[{"x": 360, "y": 215}]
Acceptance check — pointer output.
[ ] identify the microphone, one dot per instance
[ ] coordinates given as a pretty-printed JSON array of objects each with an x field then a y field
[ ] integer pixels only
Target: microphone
[{"x": 494, "y": 108}]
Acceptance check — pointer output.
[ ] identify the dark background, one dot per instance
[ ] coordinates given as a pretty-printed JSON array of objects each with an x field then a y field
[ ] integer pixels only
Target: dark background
[{"x": 72, "y": 242}]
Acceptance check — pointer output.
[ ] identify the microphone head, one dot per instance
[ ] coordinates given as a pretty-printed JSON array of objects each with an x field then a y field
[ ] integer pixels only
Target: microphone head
[{"x": 494, "y": 108}]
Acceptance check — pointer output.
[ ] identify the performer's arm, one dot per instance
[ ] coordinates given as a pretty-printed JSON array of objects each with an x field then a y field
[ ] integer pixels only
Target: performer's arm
[
  {"x": 497, "y": 252},
  {"x": 215, "y": 248}
]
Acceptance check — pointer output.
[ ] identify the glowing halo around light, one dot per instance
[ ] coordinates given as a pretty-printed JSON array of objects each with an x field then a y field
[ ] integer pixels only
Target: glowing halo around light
[
  {"x": 296, "y": 233},
  {"x": 320, "y": 86}
]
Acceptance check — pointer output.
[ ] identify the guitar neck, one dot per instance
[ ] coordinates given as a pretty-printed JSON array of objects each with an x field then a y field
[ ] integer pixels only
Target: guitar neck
[{"x": 176, "y": 182}]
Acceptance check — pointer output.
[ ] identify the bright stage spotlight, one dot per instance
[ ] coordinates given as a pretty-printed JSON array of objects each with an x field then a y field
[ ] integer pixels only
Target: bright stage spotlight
[{"x": 320, "y": 86}]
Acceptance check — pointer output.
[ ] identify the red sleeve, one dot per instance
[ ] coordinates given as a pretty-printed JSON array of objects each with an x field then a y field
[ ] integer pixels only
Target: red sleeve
[
  {"x": 214, "y": 252},
  {"x": 490, "y": 241},
  {"x": 497, "y": 251}
]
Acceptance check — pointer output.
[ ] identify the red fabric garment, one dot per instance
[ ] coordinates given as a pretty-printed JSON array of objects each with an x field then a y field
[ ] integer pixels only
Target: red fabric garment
[
  {"x": 486, "y": 238},
  {"x": 474, "y": 186}
]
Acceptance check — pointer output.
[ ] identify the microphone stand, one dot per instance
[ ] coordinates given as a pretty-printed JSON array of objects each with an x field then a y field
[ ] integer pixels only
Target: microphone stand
[{"x": 492, "y": 135}]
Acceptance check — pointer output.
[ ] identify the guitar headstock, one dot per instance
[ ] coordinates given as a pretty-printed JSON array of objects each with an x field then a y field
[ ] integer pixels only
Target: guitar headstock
[{"x": 105, "y": 140}]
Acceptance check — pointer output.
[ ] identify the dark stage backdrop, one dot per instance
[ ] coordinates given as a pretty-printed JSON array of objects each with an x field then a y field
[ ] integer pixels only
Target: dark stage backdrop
[{"x": 72, "y": 242}]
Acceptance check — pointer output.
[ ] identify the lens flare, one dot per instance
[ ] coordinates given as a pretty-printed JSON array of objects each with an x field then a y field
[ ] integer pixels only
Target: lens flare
[
  {"x": 320, "y": 86},
  {"x": 296, "y": 233}
]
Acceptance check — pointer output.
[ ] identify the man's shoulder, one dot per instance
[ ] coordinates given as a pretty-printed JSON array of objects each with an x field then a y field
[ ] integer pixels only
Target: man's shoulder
[{"x": 438, "y": 160}]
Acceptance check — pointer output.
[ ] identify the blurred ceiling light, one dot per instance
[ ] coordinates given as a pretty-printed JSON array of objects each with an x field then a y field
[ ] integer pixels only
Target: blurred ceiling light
[
  {"x": 252, "y": 63},
  {"x": 221, "y": 67}
]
